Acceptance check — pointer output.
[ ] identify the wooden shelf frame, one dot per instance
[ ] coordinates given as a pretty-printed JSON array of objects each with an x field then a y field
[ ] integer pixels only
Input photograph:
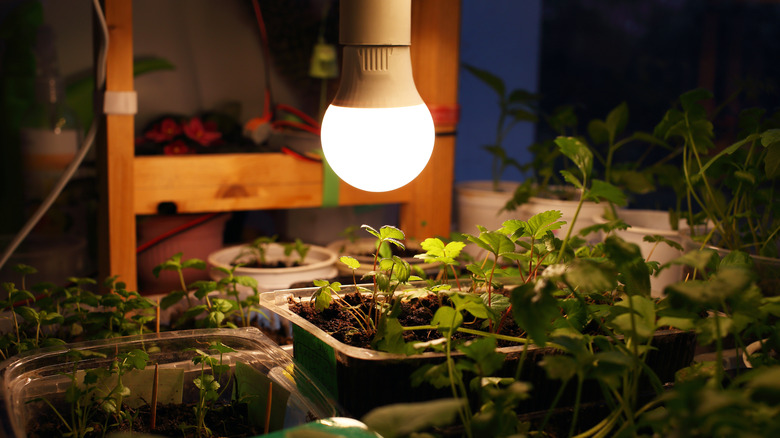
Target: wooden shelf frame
[{"x": 133, "y": 186}]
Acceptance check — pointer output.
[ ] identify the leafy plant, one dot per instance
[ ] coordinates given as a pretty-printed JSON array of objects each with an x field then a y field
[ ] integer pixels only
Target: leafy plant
[
  {"x": 257, "y": 249},
  {"x": 515, "y": 106},
  {"x": 297, "y": 247},
  {"x": 80, "y": 396},
  {"x": 210, "y": 383},
  {"x": 731, "y": 189}
]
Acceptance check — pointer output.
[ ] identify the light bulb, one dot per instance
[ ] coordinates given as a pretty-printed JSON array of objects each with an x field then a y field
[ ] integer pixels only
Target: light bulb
[
  {"x": 377, "y": 149},
  {"x": 377, "y": 134}
]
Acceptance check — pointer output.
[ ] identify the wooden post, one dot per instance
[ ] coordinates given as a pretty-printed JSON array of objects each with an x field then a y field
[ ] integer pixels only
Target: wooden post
[
  {"x": 116, "y": 252},
  {"x": 435, "y": 44}
]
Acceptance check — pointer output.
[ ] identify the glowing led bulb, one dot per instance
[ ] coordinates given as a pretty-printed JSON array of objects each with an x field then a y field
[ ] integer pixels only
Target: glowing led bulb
[{"x": 377, "y": 135}]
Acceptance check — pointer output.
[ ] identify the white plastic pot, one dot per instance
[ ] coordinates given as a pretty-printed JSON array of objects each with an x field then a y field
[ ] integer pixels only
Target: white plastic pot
[
  {"x": 647, "y": 223},
  {"x": 320, "y": 263},
  {"x": 476, "y": 203}
]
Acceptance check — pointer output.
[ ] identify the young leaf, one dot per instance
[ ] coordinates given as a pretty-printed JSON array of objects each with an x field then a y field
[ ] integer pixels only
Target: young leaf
[
  {"x": 602, "y": 190},
  {"x": 539, "y": 224},
  {"x": 351, "y": 262},
  {"x": 577, "y": 152},
  {"x": 447, "y": 319}
]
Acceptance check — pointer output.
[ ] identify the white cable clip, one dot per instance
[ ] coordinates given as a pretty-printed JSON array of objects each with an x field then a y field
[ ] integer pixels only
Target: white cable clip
[{"x": 120, "y": 102}]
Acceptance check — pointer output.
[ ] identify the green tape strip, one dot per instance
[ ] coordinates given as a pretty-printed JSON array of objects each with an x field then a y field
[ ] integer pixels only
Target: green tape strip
[{"x": 330, "y": 184}]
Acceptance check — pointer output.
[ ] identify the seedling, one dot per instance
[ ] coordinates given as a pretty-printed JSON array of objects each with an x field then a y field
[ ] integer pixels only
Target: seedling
[
  {"x": 176, "y": 264},
  {"x": 256, "y": 250},
  {"x": 208, "y": 383},
  {"x": 298, "y": 247}
]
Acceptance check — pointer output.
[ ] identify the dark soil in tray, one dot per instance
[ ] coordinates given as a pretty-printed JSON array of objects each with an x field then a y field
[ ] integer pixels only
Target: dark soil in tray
[
  {"x": 224, "y": 421},
  {"x": 344, "y": 327}
]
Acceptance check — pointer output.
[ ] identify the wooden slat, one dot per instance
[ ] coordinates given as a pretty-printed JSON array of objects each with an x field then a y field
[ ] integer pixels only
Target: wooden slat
[
  {"x": 117, "y": 229},
  {"x": 227, "y": 182}
]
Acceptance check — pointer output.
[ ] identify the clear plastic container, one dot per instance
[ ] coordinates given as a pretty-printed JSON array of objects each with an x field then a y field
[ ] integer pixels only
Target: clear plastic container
[{"x": 294, "y": 397}]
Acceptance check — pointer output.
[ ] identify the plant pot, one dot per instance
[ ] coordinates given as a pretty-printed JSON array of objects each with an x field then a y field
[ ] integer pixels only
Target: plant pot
[
  {"x": 476, "y": 203},
  {"x": 320, "y": 263},
  {"x": 647, "y": 223},
  {"x": 361, "y": 379},
  {"x": 362, "y": 250},
  {"x": 197, "y": 241},
  {"x": 257, "y": 363}
]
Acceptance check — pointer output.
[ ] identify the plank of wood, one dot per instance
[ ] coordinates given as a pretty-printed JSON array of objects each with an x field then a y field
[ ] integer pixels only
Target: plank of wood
[
  {"x": 227, "y": 182},
  {"x": 116, "y": 155}
]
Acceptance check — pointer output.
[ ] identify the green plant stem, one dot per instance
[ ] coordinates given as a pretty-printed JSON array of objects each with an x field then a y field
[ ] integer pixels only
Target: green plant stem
[
  {"x": 603, "y": 427},
  {"x": 57, "y": 413},
  {"x": 471, "y": 332},
  {"x": 457, "y": 384},
  {"x": 571, "y": 226},
  {"x": 577, "y": 401},
  {"x": 555, "y": 401},
  {"x": 718, "y": 352},
  {"x": 689, "y": 139},
  {"x": 184, "y": 287}
]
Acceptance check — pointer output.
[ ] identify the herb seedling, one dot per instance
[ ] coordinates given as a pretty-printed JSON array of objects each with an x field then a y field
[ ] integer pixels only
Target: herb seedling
[
  {"x": 299, "y": 248},
  {"x": 208, "y": 383},
  {"x": 80, "y": 396}
]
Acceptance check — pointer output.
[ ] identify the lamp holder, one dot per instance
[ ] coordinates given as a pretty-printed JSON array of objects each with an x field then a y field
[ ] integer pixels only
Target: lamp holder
[
  {"x": 375, "y": 22},
  {"x": 377, "y": 65}
]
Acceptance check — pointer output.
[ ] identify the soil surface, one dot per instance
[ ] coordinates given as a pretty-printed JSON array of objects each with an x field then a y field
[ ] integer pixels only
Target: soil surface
[
  {"x": 223, "y": 421},
  {"x": 341, "y": 323}
]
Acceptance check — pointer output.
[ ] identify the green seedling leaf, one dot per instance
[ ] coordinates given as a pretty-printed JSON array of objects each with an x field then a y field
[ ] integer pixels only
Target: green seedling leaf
[
  {"x": 642, "y": 325},
  {"x": 494, "y": 242},
  {"x": 571, "y": 179},
  {"x": 633, "y": 181},
  {"x": 542, "y": 223},
  {"x": 194, "y": 264},
  {"x": 17, "y": 295},
  {"x": 631, "y": 265},
  {"x": 221, "y": 348},
  {"x": 559, "y": 367},
  {"x": 390, "y": 337},
  {"x": 351, "y": 262},
  {"x": 771, "y": 140},
  {"x": 534, "y": 309},
  {"x": 171, "y": 299},
  {"x": 579, "y": 153},
  {"x": 701, "y": 260},
  {"x": 737, "y": 259},
  {"x": 437, "y": 375},
  {"x": 389, "y": 232},
  {"x": 728, "y": 281},
  {"x": 470, "y": 303},
  {"x": 488, "y": 78},
  {"x": 482, "y": 351},
  {"x": 447, "y": 320},
  {"x": 405, "y": 419},
  {"x": 602, "y": 190},
  {"x": 28, "y": 313},
  {"x": 658, "y": 238},
  {"x": 23, "y": 269},
  {"x": 590, "y": 276}
]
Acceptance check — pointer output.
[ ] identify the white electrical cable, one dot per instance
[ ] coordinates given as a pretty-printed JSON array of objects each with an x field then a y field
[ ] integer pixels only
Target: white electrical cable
[{"x": 89, "y": 139}]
